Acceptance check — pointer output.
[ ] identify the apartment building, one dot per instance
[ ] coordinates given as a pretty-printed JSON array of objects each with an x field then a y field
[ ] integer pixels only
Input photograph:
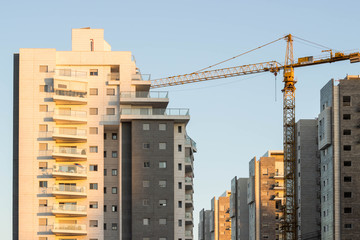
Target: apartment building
[
  {"x": 97, "y": 155},
  {"x": 266, "y": 195},
  {"x": 338, "y": 124},
  {"x": 204, "y": 225},
  {"x": 239, "y": 210},
  {"x": 308, "y": 180}
]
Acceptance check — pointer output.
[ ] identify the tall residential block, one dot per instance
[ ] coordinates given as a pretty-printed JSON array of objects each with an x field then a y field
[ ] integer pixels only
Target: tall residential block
[
  {"x": 266, "y": 196},
  {"x": 97, "y": 155},
  {"x": 339, "y": 143},
  {"x": 308, "y": 180},
  {"x": 239, "y": 210},
  {"x": 204, "y": 225}
]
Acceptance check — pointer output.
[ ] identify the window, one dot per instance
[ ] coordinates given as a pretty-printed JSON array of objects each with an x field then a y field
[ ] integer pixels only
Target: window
[
  {"x": 43, "y": 88},
  {"x": 347, "y": 179},
  {"x": 179, "y": 148},
  {"x": 43, "y": 128},
  {"x": 179, "y": 204},
  {"x": 347, "y": 163},
  {"x": 93, "y": 223},
  {"x": 104, "y": 190},
  {"x": 162, "y": 146},
  {"x": 114, "y": 154},
  {"x": 162, "y": 203},
  {"x": 348, "y": 210},
  {"x": 179, "y": 166},
  {"x": 110, "y": 111},
  {"x": 43, "y": 108},
  {"x": 114, "y": 208},
  {"x": 146, "y": 221},
  {"x": 145, "y": 202},
  {"x": 114, "y": 136},
  {"x": 162, "y": 126},
  {"x": 347, "y": 132},
  {"x": 179, "y": 129},
  {"x": 42, "y": 221},
  {"x": 93, "y": 91},
  {"x": 43, "y": 184},
  {"x": 179, "y": 185},
  {"x": 162, "y": 183},
  {"x": 93, "y": 149},
  {"x": 346, "y": 101},
  {"x": 146, "y": 146},
  {"x": 42, "y": 165},
  {"x": 43, "y": 238},
  {"x": 162, "y": 164},
  {"x": 346, "y": 116},
  {"x": 43, "y": 68},
  {"x": 114, "y": 172},
  {"x": 105, "y": 226},
  {"x": 146, "y": 126},
  {"x": 93, "y": 130},
  {"x": 104, "y": 154},
  {"x": 104, "y": 136},
  {"x": 105, "y": 171},
  {"x": 347, "y": 194},
  {"x": 93, "y": 111},
  {"x": 146, "y": 164},
  {"x": 114, "y": 226},
  {"x": 347, "y": 147},
  {"x": 162, "y": 221},
  {"x": 42, "y": 203},
  {"x": 347, "y": 225},
  {"x": 110, "y": 91},
  {"x": 180, "y": 223},
  {"x": 105, "y": 208},
  {"x": 93, "y": 72},
  {"x": 114, "y": 190},
  {"x": 93, "y": 186},
  {"x": 93, "y": 168},
  {"x": 93, "y": 204},
  {"x": 146, "y": 183}
]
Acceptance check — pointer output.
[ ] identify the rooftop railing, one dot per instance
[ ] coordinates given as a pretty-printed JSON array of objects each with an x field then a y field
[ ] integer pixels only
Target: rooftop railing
[
  {"x": 144, "y": 94},
  {"x": 155, "y": 111}
]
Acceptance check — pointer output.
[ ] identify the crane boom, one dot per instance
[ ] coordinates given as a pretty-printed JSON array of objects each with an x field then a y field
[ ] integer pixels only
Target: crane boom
[{"x": 289, "y": 224}]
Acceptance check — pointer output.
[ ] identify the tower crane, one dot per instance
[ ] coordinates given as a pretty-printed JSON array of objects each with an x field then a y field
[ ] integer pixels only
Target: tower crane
[{"x": 289, "y": 223}]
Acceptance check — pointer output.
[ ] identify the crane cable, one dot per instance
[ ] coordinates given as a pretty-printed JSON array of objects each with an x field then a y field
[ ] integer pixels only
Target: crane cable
[
  {"x": 322, "y": 46},
  {"x": 239, "y": 55}
]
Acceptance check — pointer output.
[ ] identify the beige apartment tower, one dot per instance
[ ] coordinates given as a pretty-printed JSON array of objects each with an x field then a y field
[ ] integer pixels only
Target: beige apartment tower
[{"x": 97, "y": 155}]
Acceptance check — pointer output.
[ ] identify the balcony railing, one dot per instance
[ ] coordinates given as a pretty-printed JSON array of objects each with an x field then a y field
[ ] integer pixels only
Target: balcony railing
[
  {"x": 188, "y": 197},
  {"x": 189, "y": 141},
  {"x": 69, "y": 151},
  {"x": 114, "y": 77},
  {"x": 69, "y": 113},
  {"x": 69, "y": 208},
  {"x": 70, "y": 131},
  {"x": 71, "y": 93},
  {"x": 63, "y": 189},
  {"x": 69, "y": 169},
  {"x": 188, "y": 160},
  {"x": 141, "y": 77},
  {"x": 155, "y": 111},
  {"x": 143, "y": 94},
  {"x": 188, "y": 215},
  {"x": 188, "y": 233},
  {"x": 69, "y": 228},
  {"x": 188, "y": 180},
  {"x": 70, "y": 73}
]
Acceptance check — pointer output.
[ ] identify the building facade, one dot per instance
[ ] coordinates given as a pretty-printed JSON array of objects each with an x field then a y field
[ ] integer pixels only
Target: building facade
[
  {"x": 239, "y": 210},
  {"x": 308, "y": 180},
  {"x": 204, "y": 225},
  {"x": 339, "y": 146},
  {"x": 97, "y": 155},
  {"x": 266, "y": 196}
]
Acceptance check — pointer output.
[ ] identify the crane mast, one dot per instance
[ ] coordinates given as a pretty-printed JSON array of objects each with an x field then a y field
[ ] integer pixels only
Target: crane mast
[{"x": 289, "y": 219}]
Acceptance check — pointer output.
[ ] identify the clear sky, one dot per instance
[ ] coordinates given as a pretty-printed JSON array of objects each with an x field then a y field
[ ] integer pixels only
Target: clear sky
[{"x": 232, "y": 120}]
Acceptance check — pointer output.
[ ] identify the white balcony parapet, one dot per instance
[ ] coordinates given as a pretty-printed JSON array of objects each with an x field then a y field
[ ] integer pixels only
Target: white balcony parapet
[
  {"x": 69, "y": 229},
  {"x": 68, "y": 209},
  {"x": 188, "y": 197},
  {"x": 65, "y": 115},
  {"x": 155, "y": 111},
  {"x": 70, "y": 73},
  {"x": 70, "y": 151},
  {"x": 76, "y": 171},
  {"x": 70, "y": 132},
  {"x": 188, "y": 180},
  {"x": 144, "y": 94}
]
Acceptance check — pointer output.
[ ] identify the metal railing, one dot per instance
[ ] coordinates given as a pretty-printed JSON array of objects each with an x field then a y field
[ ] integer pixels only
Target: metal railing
[
  {"x": 155, "y": 111},
  {"x": 70, "y": 131},
  {"x": 69, "y": 227},
  {"x": 69, "y": 208},
  {"x": 188, "y": 197},
  {"x": 70, "y": 73},
  {"x": 189, "y": 141},
  {"x": 70, "y": 150},
  {"x": 141, "y": 77},
  {"x": 144, "y": 94},
  {"x": 71, "y": 93},
  {"x": 188, "y": 215},
  {"x": 114, "y": 77},
  {"x": 188, "y": 180},
  {"x": 68, "y": 188},
  {"x": 70, "y": 113},
  {"x": 69, "y": 169}
]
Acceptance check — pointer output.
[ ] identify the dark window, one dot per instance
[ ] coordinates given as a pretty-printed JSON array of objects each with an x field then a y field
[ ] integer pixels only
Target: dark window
[
  {"x": 104, "y": 154},
  {"x": 347, "y": 147},
  {"x": 114, "y": 136},
  {"x": 179, "y": 204},
  {"x": 146, "y": 145},
  {"x": 347, "y": 179},
  {"x": 114, "y": 154},
  {"x": 180, "y": 223},
  {"x": 347, "y": 225},
  {"x": 94, "y": 186},
  {"x": 147, "y": 164},
  {"x": 348, "y": 210},
  {"x": 347, "y": 163},
  {"x": 105, "y": 172},
  {"x": 347, "y": 132},
  {"x": 104, "y": 135},
  {"x": 179, "y": 148},
  {"x": 179, "y": 185},
  {"x": 179, "y": 166},
  {"x": 104, "y": 208},
  {"x": 347, "y": 194},
  {"x": 114, "y": 208},
  {"x": 114, "y": 172},
  {"x": 114, "y": 226},
  {"x": 93, "y": 205},
  {"x": 93, "y": 72},
  {"x": 93, "y": 167},
  {"x": 104, "y": 226},
  {"x": 43, "y": 184},
  {"x": 346, "y": 116},
  {"x": 104, "y": 189},
  {"x": 114, "y": 190},
  {"x": 179, "y": 129},
  {"x": 346, "y": 101}
]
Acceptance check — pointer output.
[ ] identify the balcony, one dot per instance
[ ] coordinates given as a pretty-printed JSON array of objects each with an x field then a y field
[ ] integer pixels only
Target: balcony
[
  {"x": 113, "y": 79},
  {"x": 181, "y": 114},
  {"x": 188, "y": 200},
  {"x": 278, "y": 175},
  {"x": 190, "y": 142},
  {"x": 67, "y": 116},
  {"x": 188, "y": 218},
  {"x": 68, "y": 191},
  {"x": 188, "y": 165},
  {"x": 69, "y": 73},
  {"x": 73, "y": 97},
  {"x": 188, "y": 234},
  {"x": 68, "y": 210},
  {"x": 69, "y": 172},
  {"x": 156, "y": 99},
  {"x": 69, "y": 134},
  {"x": 69, "y": 154},
  {"x": 188, "y": 183},
  {"x": 69, "y": 229}
]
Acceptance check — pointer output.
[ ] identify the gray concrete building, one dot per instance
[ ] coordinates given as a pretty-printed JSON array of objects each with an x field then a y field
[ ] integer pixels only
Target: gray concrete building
[
  {"x": 308, "y": 180},
  {"x": 239, "y": 210},
  {"x": 338, "y": 138},
  {"x": 204, "y": 225},
  {"x": 96, "y": 154}
]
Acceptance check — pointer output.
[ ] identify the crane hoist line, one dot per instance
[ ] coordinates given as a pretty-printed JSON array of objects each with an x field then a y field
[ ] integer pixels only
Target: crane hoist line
[{"x": 289, "y": 219}]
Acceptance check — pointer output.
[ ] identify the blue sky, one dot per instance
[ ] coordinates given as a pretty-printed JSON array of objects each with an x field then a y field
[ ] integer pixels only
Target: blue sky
[{"x": 232, "y": 120}]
